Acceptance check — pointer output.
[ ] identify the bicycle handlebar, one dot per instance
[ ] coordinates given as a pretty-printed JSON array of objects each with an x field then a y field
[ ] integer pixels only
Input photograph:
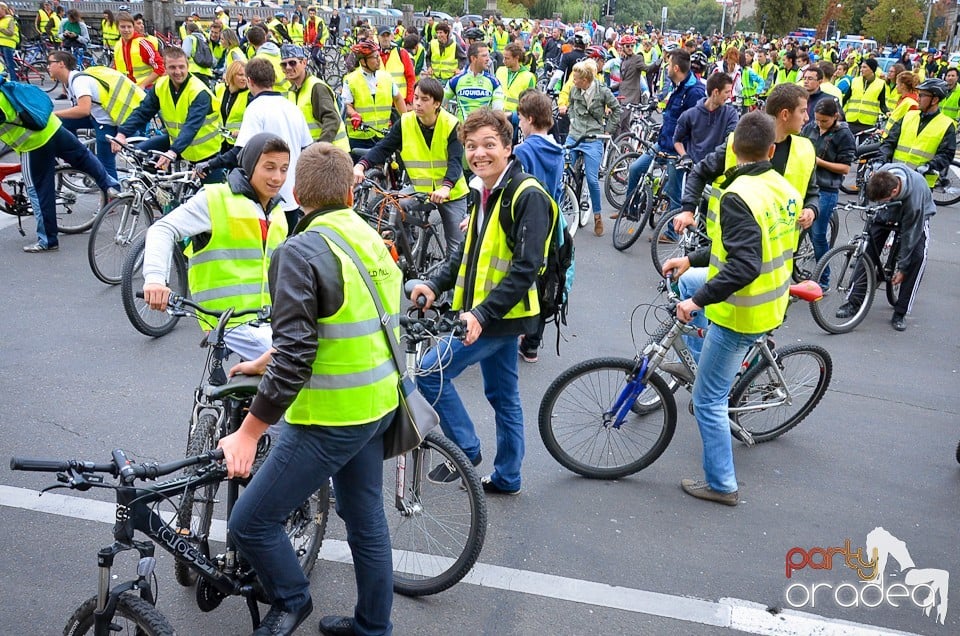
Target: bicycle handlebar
[
  {"x": 176, "y": 302},
  {"x": 119, "y": 467}
]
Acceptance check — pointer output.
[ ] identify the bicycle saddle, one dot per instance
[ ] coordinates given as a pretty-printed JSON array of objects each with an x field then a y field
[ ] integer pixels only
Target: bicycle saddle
[
  {"x": 807, "y": 290},
  {"x": 237, "y": 386}
]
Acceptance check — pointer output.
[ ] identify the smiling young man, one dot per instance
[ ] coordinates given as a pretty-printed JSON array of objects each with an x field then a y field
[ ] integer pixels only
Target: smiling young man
[{"x": 493, "y": 277}]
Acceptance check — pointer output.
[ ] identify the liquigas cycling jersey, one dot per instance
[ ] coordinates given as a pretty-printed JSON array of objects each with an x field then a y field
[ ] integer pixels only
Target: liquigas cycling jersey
[{"x": 472, "y": 91}]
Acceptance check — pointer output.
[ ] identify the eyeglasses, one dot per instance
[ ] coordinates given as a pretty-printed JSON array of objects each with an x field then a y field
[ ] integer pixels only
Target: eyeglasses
[{"x": 289, "y": 63}]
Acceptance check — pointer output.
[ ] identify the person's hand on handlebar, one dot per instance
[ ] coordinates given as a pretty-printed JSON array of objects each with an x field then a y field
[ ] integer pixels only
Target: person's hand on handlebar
[
  {"x": 685, "y": 309},
  {"x": 682, "y": 221},
  {"x": 114, "y": 145},
  {"x": 674, "y": 268},
  {"x": 156, "y": 295},
  {"x": 440, "y": 195},
  {"x": 562, "y": 110},
  {"x": 426, "y": 293},
  {"x": 164, "y": 160},
  {"x": 359, "y": 174}
]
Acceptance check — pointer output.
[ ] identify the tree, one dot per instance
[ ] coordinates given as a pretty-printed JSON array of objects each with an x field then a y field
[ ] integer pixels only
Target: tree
[
  {"x": 782, "y": 16},
  {"x": 894, "y": 21}
]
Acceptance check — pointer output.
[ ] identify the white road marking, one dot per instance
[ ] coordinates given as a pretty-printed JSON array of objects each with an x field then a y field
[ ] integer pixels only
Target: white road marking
[{"x": 731, "y": 613}]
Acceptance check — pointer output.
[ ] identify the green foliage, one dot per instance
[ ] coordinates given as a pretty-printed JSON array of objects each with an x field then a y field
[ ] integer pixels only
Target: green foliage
[
  {"x": 895, "y": 21},
  {"x": 782, "y": 16},
  {"x": 702, "y": 15}
]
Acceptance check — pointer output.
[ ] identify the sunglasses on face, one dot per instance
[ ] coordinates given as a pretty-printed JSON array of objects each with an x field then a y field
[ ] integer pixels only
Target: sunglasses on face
[{"x": 289, "y": 63}]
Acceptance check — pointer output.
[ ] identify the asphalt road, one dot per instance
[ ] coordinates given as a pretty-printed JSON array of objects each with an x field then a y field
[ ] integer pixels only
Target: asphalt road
[{"x": 877, "y": 452}]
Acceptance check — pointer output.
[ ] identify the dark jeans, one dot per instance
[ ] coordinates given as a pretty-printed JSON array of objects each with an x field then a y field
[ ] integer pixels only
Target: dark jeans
[
  {"x": 303, "y": 460},
  {"x": 39, "y": 167},
  {"x": 104, "y": 154},
  {"x": 9, "y": 62}
]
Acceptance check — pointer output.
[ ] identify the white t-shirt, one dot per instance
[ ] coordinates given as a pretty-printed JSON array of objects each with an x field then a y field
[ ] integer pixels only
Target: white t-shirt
[
  {"x": 278, "y": 115},
  {"x": 371, "y": 78},
  {"x": 86, "y": 86}
]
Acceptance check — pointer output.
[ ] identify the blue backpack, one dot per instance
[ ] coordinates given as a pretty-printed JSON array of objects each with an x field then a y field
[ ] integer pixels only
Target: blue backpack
[{"x": 33, "y": 107}]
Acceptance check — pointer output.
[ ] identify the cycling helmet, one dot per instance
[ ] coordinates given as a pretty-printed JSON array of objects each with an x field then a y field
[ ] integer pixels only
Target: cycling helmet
[
  {"x": 278, "y": 15},
  {"x": 628, "y": 40},
  {"x": 597, "y": 53},
  {"x": 699, "y": 59},
  {"x": 580, "y": 40},
  {"x": 474, "y": 33},
  {"x": 935, "y": 86},
  {"x": 365, "y": 48}
]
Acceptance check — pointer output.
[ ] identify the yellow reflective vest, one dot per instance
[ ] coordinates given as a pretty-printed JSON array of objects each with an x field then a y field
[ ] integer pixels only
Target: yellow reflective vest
[
  {"x": 206, "y": 143},
  {"x": 230, "y": 271},
  {"x": 7, "y": 22},
  {"x": 444, "y": 63},
  {"x": 394, "y": 66},
  {"x": 22, "y": 139},
  {"x": 140, "y": 70},
  {"x": 373, "y": 109},
  {"x": 354, "y": 377},
  {"x": 480, "y": 273},
  {"x": 513, "y": 84},
  {"x": 863, "y": 107},
  {"x": 235, "y": 114},
  {"x": 109, "y": 33},
  {"x": 303, "y": 99},
  {"x": 761, "y": 304},
  {"x": 917, "y": 147},
  {"x": 118, "y": 95},
  {"x": 427, "y": 166}
]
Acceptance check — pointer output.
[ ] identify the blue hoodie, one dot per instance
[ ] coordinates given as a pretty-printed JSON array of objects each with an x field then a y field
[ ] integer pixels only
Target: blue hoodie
[{"x": 543, "y": 158}]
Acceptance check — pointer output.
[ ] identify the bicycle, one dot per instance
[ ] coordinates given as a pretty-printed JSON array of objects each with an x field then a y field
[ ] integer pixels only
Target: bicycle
[
  {"x": 648, "y": 200},
  {"x": 409, "y": 224},
  {"x": 218, "y": 410},
  {"x": 32, "y": 65},
  {"x": 607, "y": 418},
  {"x": 945, "y": 191},
  {"x": 850, "y": 273},
  {"x": 574, "y": 202},
  {"x": 145, "y": 320},
  {"x": 77, "y": 198},
  {"x": 147, "y": 195}
]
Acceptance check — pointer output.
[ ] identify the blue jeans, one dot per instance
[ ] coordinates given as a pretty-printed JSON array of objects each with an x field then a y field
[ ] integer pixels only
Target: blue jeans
[
  {"x": 302, "y": 461},
  {"x": 104, "y": 154},
  {"x": 9, "y": 63},
  {"x": 592, "y": 152},
  {"x": 692, "y": 280},
  {"x": 641, "y": 165},
  {"x": 497, "y": 356},
  {"x": 39, "y": 167},
  {"x": 818, "y": 231},
  {"x": 722, "y": 354}
]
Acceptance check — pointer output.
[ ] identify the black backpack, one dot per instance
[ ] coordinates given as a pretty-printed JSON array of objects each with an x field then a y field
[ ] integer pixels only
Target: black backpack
[
  {"x": 202, "y": 55},
  {"x": 556, "y": 278}
]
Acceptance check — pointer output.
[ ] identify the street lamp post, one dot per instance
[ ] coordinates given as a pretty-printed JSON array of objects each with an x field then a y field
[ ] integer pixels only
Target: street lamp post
[{"x": 926, "y": 27}]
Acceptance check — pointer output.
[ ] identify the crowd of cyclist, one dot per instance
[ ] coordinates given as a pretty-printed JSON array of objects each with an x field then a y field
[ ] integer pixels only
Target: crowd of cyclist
[{"x": 411, "y": 93}]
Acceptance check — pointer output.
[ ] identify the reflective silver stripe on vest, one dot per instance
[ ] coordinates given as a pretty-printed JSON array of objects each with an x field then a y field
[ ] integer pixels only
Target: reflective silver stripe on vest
[
  {"x": 227, "y": 291},
  {"x": 500, "y": 264},
  {"x": 353, "y": 380},
  {"x": 19, "y": 141},
  {"x": 752, "y": 301},
  {"x": 226, "y": 255},
  {"x": 765, "y": 268},
  {"x": 127, "y": 106},
  {"x": 354, "y": 329},
  {"x": 313, "y": 126}
]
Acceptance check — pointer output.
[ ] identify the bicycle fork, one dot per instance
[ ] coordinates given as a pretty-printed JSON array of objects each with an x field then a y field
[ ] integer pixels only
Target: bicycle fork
[{"x": 107, "y": 598}]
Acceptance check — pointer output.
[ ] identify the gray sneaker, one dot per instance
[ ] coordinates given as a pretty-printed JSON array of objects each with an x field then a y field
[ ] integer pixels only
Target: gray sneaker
[{"x": 701, "y": 490}]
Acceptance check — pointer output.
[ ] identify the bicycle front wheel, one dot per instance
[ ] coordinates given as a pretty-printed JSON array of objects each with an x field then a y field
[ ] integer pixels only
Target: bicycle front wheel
[
  {"x": 766, "y": 407},
  {"x": 632, "y": 217},
  {"x": 195, "y": 512},
  {"x": 578, "y": 432},
  {"x": 117, "y": 226},
  {"x": 133, "y": 616},
  {"x": 436, "y": 529},
  {"x": 78, "y": 200},
  {"x": 947, "y": 189},
  {"x": 850, "y": 281},
  {"x": 145, "y": 320},
  {"x": 615, "y": 182},
  {"x": 570, "y": 209}
]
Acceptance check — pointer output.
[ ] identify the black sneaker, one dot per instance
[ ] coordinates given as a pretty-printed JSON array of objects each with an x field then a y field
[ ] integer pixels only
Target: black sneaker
[
  {"x": 278, "y": 621},
  {"x": 336, "y": 625},
  {"x": 847, "y": 310},
  {"x": 446, "y": 473},
  {"x": 899, "y": 322},
  {"x": 492, "y": 489}
]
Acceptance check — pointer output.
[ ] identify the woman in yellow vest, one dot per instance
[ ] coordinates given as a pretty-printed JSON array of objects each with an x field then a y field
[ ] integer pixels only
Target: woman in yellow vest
[
  {"x": 295, "y": 29},
  {"x": 109, "y": 30},
  {"x": 909, "y": 100},
  {"x": 232, "y": 95},
  {"x": 232, "y": 51},
  {"x": 426, "y": 139},
  {"x": 8, "y": 36}
]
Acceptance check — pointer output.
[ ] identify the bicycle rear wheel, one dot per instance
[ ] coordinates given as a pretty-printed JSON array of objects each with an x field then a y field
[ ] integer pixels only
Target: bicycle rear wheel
[
  {"x": 888, "y": 256},
  {"x": 145, "y": 320},
  {"x": 847, "y": 278},
  {"x": 78, "y": 200},
  {"x": 947, "y": 189},
  {"x": 117, "y": 226},
  {"x": 632, "y": 217},
  {"x": 436, "y": 529},
  {"x": 578, "y": 433},
  {"x": 615, "y": 182},
  {"x": 430, "y": 252},
  {"x": 133, "y": 616},
  {"x": 805, "y": 258},
  {"x": 762, "y": 399}
]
